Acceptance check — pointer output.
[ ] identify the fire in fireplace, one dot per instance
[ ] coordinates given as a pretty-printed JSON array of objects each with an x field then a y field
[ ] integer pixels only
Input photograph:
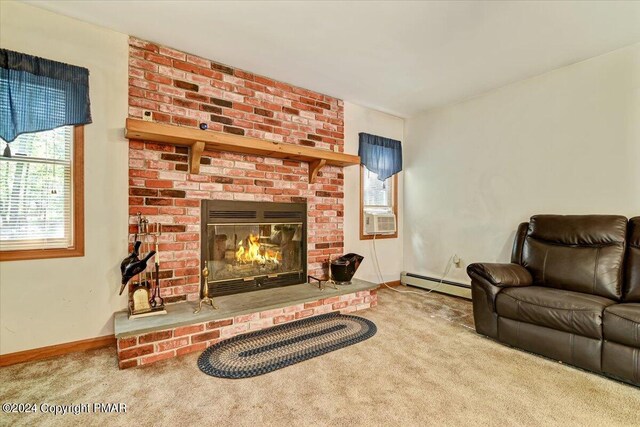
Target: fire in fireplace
[{"x": 253, "y": 245}]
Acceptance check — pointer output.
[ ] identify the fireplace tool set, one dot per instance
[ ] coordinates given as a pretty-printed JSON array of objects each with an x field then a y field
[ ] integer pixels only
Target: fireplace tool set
[{"x": 145, "y": 296}]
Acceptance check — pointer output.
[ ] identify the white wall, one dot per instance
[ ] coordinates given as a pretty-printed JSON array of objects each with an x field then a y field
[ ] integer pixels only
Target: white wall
[
  {"x": 47, "y": 302},
  {"x": 360, "y": 119},
  {"x": 567, "y": 141}
]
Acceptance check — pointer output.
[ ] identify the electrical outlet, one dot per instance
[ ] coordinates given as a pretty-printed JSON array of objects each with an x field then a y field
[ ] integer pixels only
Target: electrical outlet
[
  {"x": 147, "y": 116},
  {"x": 457, "y": 261}
]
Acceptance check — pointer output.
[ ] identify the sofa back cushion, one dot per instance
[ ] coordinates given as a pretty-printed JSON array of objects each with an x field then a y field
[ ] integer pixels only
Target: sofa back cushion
[
  {"x": 580, "y": 253},
  {"x": 518, "y": 243},
  {"x": 632, "y": 264}
]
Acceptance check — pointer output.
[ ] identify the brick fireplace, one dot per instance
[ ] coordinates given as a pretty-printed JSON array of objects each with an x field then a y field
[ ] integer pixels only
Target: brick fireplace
[
  {"x": 180, "y": 89},
  {"x": 186, "y": 90}
]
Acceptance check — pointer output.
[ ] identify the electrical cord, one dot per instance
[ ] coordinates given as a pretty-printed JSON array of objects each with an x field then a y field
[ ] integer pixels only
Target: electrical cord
[
  {"x": 382, "y": 281},
  {"x": 444, "y": 275}
]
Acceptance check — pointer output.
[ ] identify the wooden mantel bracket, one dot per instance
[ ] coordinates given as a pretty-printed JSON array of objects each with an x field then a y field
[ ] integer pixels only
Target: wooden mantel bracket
[
  {"x": 196, "y": 152},
  {"x": 200, "y": 140},
  {"x": 314, "y": 168}
]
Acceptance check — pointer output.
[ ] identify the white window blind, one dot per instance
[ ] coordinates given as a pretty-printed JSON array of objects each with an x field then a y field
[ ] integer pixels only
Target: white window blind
[
  {"x": 36, "y": 190},
  {"x": 377, "y": 195}
]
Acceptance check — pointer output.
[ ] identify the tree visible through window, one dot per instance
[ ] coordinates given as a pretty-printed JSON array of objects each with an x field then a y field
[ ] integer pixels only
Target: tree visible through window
[{"x": 37, "y": 193}]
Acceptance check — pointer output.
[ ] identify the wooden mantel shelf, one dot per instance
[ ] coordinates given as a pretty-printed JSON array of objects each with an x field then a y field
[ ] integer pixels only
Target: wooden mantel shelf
[{"x": 200, "y": 140}]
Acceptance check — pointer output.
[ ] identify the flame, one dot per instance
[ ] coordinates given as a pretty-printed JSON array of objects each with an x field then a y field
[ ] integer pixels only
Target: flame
[{"x": 252, "y": 252}]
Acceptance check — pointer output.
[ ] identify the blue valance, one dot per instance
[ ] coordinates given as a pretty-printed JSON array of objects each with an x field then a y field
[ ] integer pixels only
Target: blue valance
[
  {"x": 38, "y": 94},
  {"x": 382, "y": 156}
]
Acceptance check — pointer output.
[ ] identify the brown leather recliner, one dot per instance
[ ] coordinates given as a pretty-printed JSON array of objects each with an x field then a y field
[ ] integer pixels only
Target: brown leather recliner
[{"x": 571, "y": 293}]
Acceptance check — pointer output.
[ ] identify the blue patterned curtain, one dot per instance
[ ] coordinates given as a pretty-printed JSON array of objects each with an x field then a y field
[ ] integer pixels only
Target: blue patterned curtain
[
  {"x": 382, "y": 156},
  {"x": 38, "y": 94}
]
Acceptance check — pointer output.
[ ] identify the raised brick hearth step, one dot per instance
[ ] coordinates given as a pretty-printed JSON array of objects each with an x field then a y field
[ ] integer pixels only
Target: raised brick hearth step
[{"x": 146, "y": 340}]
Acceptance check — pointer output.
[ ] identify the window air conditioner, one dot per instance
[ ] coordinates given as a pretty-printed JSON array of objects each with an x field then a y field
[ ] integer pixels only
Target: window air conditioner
[{"x": 379, "y": 223}]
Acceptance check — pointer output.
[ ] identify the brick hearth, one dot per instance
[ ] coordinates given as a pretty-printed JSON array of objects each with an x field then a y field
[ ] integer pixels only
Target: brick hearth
[
  {"x": 145, "y": 341},
  {"x": 186, "y": 90}
]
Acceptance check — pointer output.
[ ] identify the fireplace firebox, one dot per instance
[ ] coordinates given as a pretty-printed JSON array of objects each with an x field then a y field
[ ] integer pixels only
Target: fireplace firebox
[{"x": 249, "y": 246}]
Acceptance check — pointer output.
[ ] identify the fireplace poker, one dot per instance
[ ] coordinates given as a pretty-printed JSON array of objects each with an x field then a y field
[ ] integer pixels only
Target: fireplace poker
[
  {"x": 157, "y": 288},
  {"x": 152, "y": 288},
  {"x": 152, "y": 300},
  {"x": 143, "y": 231},
  {"x": 145, "y": 234}
]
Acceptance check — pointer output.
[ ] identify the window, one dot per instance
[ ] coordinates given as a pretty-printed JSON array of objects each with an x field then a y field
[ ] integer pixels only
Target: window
[
  {"x": 377, "y": 197},
  {"x": 41, "y": 195}
]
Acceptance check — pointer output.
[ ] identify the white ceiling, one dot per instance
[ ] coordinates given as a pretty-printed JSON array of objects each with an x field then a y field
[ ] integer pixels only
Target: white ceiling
[{"x": 398, "y": 57}]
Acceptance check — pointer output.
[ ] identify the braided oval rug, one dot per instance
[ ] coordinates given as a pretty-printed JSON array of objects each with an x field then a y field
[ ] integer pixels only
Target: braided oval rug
[{"x": 259, "y": 352}]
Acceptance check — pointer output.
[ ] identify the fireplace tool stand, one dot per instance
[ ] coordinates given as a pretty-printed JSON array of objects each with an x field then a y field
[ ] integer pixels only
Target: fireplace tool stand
[
  {"x": 145, "y": 299},
  {"x": 205, "y": 293}
]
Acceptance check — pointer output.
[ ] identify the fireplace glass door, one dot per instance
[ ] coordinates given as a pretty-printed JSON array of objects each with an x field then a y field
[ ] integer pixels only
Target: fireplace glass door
[
  {"x": 250, "y": 251},
  {"x": 248, "y": 246}
]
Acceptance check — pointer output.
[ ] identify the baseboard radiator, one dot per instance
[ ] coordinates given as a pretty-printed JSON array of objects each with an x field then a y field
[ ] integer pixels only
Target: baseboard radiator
[{"x": 431, "y": 283}]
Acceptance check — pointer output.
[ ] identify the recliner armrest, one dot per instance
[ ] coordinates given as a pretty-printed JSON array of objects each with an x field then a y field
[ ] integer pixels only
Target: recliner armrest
[{"x": 501, "y": 275}]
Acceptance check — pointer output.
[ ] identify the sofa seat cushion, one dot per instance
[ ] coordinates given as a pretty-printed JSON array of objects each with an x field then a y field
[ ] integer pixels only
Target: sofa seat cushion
[
  {"x": 622, "y": 324},
  {"x": 567, "y": 311}
]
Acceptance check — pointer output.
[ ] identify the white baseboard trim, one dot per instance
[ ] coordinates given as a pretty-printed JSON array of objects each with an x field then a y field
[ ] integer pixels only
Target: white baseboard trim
[{"x": 430, "y": 283}]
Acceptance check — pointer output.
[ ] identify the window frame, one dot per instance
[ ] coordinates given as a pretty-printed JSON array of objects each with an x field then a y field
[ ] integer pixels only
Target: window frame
[
  {"x": 77, "y": 248},
  {"x": 394, "y": 208}
]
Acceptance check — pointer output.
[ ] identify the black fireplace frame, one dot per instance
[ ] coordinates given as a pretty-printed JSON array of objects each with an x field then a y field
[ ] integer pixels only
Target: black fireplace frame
[{"x": 220, "y": 212}]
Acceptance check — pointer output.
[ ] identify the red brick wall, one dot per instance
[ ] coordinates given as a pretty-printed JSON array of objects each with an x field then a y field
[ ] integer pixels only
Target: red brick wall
[{"x": 186, "y": 90}]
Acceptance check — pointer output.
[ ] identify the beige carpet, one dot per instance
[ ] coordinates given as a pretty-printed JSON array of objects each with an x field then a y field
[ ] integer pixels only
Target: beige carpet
[{"x": 424, "y": 367}]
